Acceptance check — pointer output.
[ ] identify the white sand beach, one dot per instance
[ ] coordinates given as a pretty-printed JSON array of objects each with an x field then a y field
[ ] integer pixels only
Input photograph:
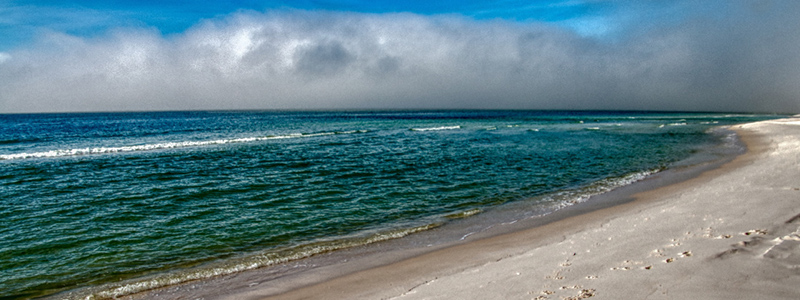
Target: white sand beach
[{"x": 731, "y": 233}]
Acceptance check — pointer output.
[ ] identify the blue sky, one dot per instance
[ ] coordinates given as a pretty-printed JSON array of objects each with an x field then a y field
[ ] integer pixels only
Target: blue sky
[
  {"x": 686, "y": 55},
  {"x": 21, "y": 21}
]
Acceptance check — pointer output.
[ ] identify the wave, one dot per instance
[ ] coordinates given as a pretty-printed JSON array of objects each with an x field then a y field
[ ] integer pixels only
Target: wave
[
  {"x": 574, "y": 196},
  {"x": 673, "y": 124},
  {"x": 116, "y": 290},
  {"x": 436, "y": 128},
  {"x": 161, "y": 146},
  {"x": 463, "y": 214},
  {"x": 17, "y": 141}
]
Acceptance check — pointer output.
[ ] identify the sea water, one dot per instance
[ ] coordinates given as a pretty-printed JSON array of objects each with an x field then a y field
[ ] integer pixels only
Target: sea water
[{"x": 100, "y": 205}]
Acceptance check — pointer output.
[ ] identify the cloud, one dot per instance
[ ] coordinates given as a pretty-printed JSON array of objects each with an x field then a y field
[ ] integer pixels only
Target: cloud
[{"x": 738, "y": 58}]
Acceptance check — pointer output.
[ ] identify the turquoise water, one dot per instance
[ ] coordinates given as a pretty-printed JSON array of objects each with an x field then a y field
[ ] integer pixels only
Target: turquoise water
[{"x": 131, "y": 201}]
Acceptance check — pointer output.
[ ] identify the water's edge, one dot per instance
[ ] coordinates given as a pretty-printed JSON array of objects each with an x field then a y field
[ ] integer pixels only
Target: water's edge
[{"x": 318, "y": 262}]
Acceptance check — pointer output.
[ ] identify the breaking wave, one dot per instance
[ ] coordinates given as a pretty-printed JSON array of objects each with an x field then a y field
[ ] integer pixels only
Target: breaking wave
[
  {"x": 161, "y": 146},
  {"x": 113, "y": 291},
  {"x": 436, "y": 128}
]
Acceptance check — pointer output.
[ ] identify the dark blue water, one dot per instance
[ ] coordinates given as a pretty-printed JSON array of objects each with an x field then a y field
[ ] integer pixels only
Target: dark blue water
[{"x": 95, "y": 199}]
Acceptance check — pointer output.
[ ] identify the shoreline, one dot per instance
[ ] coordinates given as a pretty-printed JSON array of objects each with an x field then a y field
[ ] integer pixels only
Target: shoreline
[
  {"x": 254, "y": 269},
  {"x": 382, "y": 272},
  {"x": 671, "y": 233}
]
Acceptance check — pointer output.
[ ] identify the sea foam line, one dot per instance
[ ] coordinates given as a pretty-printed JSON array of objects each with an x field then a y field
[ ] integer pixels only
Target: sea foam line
[
  {"x": 161, "y": 146},
  {"x": 113, "y": 291},
  {"x": 573, "y": 196},
  {"x": 436, "y": 128}
]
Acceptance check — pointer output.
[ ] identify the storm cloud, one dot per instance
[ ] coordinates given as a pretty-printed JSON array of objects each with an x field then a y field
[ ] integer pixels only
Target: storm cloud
[{"x": 740, "y": 56}]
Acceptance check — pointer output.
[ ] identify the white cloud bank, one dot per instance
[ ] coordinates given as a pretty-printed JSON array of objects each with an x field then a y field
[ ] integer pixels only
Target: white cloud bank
[{"x": 742, "y": 58}]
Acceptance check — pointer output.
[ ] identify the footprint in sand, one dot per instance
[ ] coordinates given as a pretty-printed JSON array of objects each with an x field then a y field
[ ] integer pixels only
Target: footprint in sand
[
  {"x": 709, "y": 233},
  {"x": 755, "y": 231},
  {"x": 628, "y": 263},
  {"x": 585, "y": 293}
]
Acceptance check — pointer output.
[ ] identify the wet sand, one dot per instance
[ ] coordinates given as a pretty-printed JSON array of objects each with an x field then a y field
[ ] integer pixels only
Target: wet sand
[{"x": 732, "y": 232}]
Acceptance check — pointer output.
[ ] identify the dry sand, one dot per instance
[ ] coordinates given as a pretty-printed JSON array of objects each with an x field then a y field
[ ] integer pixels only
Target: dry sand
[{"x": 731, "y": 233}]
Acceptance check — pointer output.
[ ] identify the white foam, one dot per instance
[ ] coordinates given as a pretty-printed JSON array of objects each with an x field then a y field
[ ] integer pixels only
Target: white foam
[
  {"x": 436, "y": 128},
  {"x": 570, "y": 197},
  {"x": 160, "y": 146},
  {"x": 113, "y": 291}
]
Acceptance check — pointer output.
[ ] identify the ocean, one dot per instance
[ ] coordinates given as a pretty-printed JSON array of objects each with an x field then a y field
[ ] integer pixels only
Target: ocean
[{"x": 100, "y": 205}]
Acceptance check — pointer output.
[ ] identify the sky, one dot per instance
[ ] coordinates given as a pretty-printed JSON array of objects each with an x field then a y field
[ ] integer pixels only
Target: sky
[{"x": 125, "y": 55}]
